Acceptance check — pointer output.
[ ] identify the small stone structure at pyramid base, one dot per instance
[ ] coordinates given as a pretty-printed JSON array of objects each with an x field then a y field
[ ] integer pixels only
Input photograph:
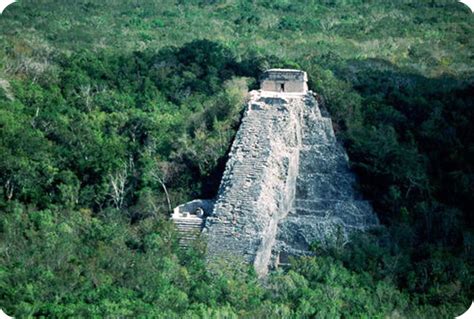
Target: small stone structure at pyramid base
[
  {"x": 189, "y": 219},
  {"x": 287, "y": 183}
]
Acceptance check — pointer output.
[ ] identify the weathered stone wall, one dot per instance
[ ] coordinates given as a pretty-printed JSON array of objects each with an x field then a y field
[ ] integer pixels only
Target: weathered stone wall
[
  {"x": 191, "y": 207},
  {"x": 288, "y": 86},
  {"x": 293, "y": 81},
  {"x": 287, "y": 184},
  {"x": 326, "y": 208}
]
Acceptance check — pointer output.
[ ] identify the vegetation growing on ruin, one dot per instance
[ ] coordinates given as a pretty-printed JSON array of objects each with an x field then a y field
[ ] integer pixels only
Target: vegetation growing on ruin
[{"x": 103, "y": 103}]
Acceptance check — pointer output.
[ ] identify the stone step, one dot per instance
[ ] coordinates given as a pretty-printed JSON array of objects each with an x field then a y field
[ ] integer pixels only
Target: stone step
[
  {"x": 349, "y": 211},
  {"x": 188, "y": 224},
  {"x": 187, "y": 241},
  {"x": 189, "y": 229},
  {"x": 307, "y": 211},
  {"x": 323, "y": 203},
  {"x": 188, "y": 221},
  {"x": 325, "y": 186},
  {"x": 323, "y": 166},
  {"x": 181, "y": 226},
  {"x": 328, "y": 150},
  {"x": 189, "y": 232},
  {"x": 189, "y": 235},
  {"x": 185, "y": 228}
]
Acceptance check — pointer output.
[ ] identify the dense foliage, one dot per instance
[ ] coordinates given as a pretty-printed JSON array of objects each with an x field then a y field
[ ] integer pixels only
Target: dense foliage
[{"x": 110, "y": 109}]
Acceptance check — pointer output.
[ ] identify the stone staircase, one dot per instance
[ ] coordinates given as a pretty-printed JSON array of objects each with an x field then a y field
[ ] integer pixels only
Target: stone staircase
[
  {"x": 189, "y": 229},
  {"x": 287, "y": 184},
  {"x": 189, "y": 220},
  {"x": 246, "y": 211}
]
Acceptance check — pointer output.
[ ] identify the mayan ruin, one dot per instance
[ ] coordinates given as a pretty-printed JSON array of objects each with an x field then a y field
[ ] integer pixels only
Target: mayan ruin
[{"x": 287, "y": 183}]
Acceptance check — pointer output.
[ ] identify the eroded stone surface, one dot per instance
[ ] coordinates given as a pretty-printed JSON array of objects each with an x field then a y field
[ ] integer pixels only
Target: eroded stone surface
[
  {"x": 287, "y": 184},
  {"x": 326, "y": 206}
]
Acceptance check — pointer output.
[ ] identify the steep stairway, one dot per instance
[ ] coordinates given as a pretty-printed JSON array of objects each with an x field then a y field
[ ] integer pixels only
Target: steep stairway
[
  {"x": 254, "y": 185},
  {"x": 189, "y": 229}
]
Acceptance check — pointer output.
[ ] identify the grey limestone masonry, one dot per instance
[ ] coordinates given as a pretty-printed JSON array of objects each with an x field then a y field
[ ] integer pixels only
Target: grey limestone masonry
[
  {"x": 287, "y": 183},
  {"x": 284, "y": 80},
  {"x": 189, "y": 219}
]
